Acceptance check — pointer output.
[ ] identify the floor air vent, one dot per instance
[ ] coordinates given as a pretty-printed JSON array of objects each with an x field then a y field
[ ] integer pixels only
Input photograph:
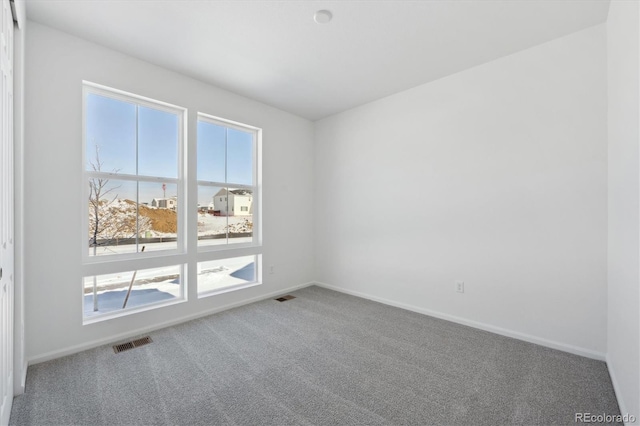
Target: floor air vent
[
  {"x": 285, "y": 298},
  {"x": 132, "y": 344}
]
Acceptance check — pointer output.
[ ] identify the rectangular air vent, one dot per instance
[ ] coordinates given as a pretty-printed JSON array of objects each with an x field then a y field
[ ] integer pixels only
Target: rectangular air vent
[
  {"x": 285, "y": 298},
  {"x": 132, "y": 344}
]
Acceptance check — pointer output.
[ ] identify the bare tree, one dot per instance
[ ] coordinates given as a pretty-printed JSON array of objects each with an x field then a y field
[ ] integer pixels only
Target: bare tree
[
  {"x": 110, "y": 218},
  {"x": 98, "y": 191}
]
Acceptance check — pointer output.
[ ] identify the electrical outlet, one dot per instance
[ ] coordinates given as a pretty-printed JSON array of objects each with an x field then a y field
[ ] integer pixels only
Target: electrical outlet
[
  {"x": 272, "y": 269},
  {"x": 460, "y": 286}
]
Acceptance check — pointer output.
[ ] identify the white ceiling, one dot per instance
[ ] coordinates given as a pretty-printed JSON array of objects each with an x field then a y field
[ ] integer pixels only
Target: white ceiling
[{"x": 274, "y": 52}]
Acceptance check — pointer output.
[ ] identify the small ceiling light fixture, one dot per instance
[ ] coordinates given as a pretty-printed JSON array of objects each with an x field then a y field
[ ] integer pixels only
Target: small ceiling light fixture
[{"x": 322, "y": 16}]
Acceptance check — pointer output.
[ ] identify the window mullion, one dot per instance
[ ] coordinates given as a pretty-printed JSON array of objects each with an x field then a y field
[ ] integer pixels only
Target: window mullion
[
  {"x": 126, "y": 176},
  {"x": 137, "y": 182},
  {"x": 226, "y": 178}
]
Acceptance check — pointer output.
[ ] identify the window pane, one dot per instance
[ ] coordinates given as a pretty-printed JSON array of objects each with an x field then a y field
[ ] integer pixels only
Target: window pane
[
  {"x": 107, "y": 293},
  {"x": 125, "y": 216},
  {"x": 110, "y": 127},
  {"x": 212, "y": 218},
  {"x": 113, "y": 216},
  {"x": 211, "y": 152},
  {"x": 239, "y": 157},
  {"x": 225, "y": 273},
  {"x": 158, "y": 218},
  {"x": 224, "y": 215},
  {"x": 157, "y": 143}
]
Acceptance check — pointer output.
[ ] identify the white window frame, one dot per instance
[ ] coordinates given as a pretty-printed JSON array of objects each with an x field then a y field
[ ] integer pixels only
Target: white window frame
[
  {"x": 100, "y": 265},
  {"x": 224, "y": 251},
  {"x": 187, "y": 251}
]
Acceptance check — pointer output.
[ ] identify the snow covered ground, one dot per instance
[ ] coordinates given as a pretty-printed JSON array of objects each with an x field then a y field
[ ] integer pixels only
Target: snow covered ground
[
  {"x": 216, "y": 225},
  {"x": 218, "y": 274},
  {"x": 131, "y": 248},
  {"x": 208, "y": 225},
  {"x": 162, "y": 284}
]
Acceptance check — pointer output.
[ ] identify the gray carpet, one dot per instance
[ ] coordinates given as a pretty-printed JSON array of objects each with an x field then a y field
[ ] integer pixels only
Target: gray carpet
[{"x": 324, "y": 358}]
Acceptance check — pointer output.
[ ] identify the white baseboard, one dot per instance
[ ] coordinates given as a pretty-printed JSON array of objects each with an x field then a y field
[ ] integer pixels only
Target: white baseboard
[
  {"x": 6, "y": 412},
  {"x": 132, "y": 333},
  {"x": 19, "y": 388},
  {"x": 616, "y": 390},
  {"x": 482, "y": 326}
]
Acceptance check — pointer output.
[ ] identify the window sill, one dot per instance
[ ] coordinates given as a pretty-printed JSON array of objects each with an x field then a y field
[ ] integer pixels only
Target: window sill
[
  {"x": 228, "y": 289},
  {"x": 126, "y": 312}
]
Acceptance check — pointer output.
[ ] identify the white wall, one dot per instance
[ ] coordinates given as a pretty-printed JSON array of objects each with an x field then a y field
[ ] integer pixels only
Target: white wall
[
  {"x": 56, "y": 64},
  {"x": 623, "y": 356},
  {"x": 504, "y": 168}
]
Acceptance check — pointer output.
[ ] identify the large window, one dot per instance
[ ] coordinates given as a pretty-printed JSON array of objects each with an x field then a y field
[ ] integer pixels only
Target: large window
[
  {"x": 151, "y": 233},
  {"x": 228, "y": 218},
  {"x": 134, "y": 190}
]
